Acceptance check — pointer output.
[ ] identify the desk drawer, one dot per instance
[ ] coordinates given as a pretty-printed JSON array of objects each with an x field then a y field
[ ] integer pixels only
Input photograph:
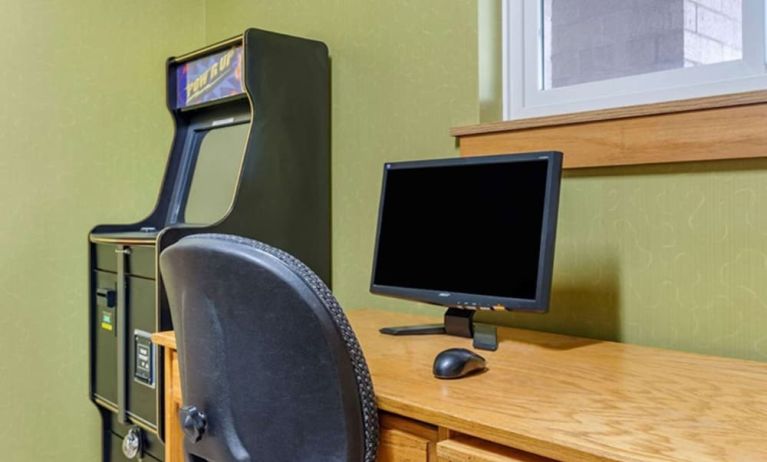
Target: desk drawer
[
  {"x": 406, "y": 440},
  {"x": 467, "y": 449},
  {"x": 400, "y": 446}
]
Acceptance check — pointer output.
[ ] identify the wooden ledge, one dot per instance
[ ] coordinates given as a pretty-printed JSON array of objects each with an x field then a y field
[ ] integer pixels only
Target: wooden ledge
[
  {"x": 642, "y": 110},
  {"x": 711, "y": 128}
]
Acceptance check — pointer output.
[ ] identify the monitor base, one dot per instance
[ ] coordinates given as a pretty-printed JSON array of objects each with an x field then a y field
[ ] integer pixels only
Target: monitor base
[
  {"x": 457, "y": 322},
  {"x": 418, "y": 329}
]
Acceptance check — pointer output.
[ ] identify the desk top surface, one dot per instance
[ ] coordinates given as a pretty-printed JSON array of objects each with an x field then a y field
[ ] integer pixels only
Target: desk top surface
[{"x": 571, "y": 398}]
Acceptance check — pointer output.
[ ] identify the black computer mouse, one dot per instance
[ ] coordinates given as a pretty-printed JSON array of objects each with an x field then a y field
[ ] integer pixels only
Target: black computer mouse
[{"x": 457, "y": 362}]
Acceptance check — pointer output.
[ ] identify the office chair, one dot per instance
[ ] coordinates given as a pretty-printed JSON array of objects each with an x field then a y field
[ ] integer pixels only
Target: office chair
[{"x": 270, "y": 367}]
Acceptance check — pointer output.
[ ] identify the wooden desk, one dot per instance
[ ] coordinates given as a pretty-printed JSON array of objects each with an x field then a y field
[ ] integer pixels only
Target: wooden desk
[{"x": 546, "y": 395}]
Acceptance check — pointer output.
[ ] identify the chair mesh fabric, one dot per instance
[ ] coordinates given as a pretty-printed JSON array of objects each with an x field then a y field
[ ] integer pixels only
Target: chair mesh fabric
[{"x": 321, "y": 290}]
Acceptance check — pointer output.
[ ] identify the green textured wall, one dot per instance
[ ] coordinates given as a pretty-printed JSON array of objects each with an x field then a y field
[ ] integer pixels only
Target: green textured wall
[
  {"x": 84, "y": 136},
  {"x": 671, "y": 256},
  {"x": 403, "y": 73}
]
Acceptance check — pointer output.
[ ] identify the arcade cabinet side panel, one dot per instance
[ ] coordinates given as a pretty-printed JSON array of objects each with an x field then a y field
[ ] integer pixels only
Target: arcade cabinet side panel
[{"x": 284, "y": 196}]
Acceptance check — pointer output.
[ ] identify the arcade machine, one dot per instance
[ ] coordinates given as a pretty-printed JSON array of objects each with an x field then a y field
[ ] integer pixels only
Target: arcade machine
[{"x": 250, "y": 156}]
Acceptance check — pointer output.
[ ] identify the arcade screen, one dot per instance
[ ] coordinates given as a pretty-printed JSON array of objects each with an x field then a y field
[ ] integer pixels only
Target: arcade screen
[{"x": 216, "y": 171}]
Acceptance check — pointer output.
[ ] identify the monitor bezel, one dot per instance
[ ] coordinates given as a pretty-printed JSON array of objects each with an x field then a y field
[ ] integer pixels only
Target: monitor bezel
[{"x": 463, "y": 300}]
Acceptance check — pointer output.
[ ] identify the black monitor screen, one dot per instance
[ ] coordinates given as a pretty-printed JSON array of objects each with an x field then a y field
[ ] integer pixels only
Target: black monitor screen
[{"x": 469, "y": 232}]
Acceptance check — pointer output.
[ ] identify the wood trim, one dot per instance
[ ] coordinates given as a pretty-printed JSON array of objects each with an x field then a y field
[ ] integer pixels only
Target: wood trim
[
  {"x": 733, "y": 132},
  {"x": 422, "y": 430},
  {"x": 165, "y": 339},
  {"x": 399, "y": 446},
  {"x": 468, "y": 449},
  {"x": 174, "y": 435},
  {"x": 414, "y": 427},
  {"x": 642, "y": 110}
]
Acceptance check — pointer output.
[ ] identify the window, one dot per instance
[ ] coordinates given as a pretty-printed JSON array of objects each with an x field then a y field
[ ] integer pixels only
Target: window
[{"x": 563, "y": 56}]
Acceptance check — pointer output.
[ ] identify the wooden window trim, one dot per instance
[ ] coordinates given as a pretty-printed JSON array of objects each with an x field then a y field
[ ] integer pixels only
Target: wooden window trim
[{"x": 715, "y": 127}]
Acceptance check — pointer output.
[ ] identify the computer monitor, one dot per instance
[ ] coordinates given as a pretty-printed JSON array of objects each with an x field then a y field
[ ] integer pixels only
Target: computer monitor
[{"x": 468, "y": 234}]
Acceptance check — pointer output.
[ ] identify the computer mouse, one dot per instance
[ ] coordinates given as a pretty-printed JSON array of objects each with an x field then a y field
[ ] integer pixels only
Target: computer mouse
[{"x": 457, "y": 362}]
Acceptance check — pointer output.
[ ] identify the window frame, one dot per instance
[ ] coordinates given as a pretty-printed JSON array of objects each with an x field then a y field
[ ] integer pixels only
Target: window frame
[{"x": 522, "y": 65}]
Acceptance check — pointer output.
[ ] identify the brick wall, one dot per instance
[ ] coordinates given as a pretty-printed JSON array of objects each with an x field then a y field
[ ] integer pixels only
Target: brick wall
[
  {"x": 590, "y": 40},
  {"x": 712, "y": 31}
]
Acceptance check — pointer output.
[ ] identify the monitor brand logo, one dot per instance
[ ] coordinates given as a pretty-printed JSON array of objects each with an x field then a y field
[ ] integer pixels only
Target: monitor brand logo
[{"x": 444, "y": 294}]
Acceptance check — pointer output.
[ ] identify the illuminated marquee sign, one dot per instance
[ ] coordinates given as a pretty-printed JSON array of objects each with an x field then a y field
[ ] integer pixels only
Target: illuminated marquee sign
[{"x": 210, "y": 78}]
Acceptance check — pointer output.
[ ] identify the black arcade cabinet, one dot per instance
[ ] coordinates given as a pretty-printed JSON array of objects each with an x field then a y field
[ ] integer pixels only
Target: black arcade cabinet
[{"x": 250, "y": 156}]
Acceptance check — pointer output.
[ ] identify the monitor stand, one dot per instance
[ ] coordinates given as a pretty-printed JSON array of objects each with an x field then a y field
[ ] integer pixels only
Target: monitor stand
[{"x": 457, "y": 322}]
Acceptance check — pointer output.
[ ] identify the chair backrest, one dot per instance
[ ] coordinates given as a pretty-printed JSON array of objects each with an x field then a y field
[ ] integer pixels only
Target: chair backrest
[{"x": 270, "y": 367}]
